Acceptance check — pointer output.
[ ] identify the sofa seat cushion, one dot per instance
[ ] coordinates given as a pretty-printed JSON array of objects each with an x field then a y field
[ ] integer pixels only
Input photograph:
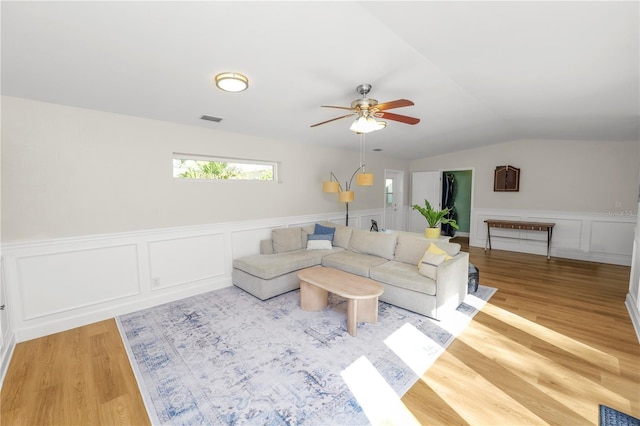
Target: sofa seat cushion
[
  {"x": 403, "y": 275},
  {"x": 268, "y": 266},
  {"x": 354, "y": 263}
]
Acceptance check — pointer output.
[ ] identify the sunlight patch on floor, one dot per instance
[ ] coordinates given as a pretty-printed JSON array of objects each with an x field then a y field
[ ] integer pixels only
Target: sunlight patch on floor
[
  {"x": 553, "y": 379},
  {"x": 414, "y": 348},
  {"x": 460, "y": 395},
  {"x": 455, "y": 322},
  {"x": 574, "y": 347},
  {"x": 474, "y": 301},
  {"x": 378, "y": 400}
]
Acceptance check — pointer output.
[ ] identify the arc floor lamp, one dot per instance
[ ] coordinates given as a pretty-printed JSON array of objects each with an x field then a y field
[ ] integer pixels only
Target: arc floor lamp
[{"x": 345, "y": 193}]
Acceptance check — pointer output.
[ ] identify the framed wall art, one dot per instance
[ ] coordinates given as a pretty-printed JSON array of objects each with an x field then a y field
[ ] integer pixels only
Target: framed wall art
[{"x": 506, "y": 178}]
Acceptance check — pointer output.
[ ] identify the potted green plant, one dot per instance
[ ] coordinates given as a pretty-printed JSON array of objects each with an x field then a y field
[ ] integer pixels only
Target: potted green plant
[{"x": 434, "y": 219}]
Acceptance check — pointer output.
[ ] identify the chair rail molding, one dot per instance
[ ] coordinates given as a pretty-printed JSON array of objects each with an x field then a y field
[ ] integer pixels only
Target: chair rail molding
[
  {"x": 59, "y": 284},
  {"x": 595, "y": 237}
]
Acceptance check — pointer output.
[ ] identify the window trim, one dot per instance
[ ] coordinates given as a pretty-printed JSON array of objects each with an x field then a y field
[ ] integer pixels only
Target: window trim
[{"x": 232, "y": 160}]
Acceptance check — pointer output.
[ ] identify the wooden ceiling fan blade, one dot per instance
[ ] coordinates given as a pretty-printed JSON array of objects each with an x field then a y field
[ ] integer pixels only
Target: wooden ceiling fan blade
[
  {"x": 333, "y": 119},
  {"x": 394, "y": 104},
  {"x": 397, "y": 117},
  {"x": 339, "y": 107}
]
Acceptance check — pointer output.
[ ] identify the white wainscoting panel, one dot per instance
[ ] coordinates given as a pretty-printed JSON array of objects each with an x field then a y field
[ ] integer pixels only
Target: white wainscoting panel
[
  {"x": 178, "y": 261},
  {"x": 55, "y": 282},
  {"x": 247, "y": 242},
  {"x": 56, "y": 285},
  {"x": 584, "y": 236},
  {"x": 365, "y": 221},
  {"x": 612, "y": 237},
  {"x": 566, "y": 234}
]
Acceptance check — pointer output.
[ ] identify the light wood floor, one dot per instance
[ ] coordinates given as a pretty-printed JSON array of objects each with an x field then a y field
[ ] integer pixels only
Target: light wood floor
[{"x": 553, "y": 343}]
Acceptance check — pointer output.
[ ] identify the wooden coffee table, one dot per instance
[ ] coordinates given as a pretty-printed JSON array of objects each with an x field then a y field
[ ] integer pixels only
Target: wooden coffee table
[{"x": 361, "y": 293}]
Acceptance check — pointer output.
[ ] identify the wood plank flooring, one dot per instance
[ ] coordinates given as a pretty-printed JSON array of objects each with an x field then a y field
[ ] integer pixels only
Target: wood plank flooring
[
  {"x": 553, "y": 343},
  {"x": 77, "y": 377}
]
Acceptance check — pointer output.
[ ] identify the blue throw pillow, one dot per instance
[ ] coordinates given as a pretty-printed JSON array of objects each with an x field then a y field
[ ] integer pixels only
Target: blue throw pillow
[
  {"x": 327, "y": 237},
  {"x": 324, "y": 230}
]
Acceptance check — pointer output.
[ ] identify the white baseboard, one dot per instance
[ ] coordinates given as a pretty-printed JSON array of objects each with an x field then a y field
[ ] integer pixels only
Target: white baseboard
[{"x": 73, "y": 319}]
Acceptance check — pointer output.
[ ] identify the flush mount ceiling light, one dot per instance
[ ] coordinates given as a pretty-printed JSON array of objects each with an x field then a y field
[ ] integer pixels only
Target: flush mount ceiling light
[{"x": 232, "y": 82}]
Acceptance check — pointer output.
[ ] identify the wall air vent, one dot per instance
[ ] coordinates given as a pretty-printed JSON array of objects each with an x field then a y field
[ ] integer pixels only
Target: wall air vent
[{"x": 211, "y": 118}]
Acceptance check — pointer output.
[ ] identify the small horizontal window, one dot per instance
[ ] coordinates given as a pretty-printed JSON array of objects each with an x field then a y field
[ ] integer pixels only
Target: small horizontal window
[{"x": 186, "y": 166}]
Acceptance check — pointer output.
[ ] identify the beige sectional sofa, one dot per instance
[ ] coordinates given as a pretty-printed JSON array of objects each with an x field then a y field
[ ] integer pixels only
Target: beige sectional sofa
[{"x": 391, "y": 258}]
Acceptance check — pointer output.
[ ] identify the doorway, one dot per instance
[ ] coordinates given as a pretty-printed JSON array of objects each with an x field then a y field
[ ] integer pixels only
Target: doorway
[
  {"x": 456, "y": 195},
  {"x": 393, "y": 217},
  {"x": 433, "y": 186}
]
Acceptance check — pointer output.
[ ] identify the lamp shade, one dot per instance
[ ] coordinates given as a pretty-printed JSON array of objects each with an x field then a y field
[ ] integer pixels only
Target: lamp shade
[
  {"x": 364, "y": 179},
  {"x": 330, "y": 186},
  {"x": 345, "y": 196}
]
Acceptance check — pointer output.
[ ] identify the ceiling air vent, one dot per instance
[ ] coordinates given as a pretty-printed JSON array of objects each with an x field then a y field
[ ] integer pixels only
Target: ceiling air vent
[{"x": 211, "y": 118}]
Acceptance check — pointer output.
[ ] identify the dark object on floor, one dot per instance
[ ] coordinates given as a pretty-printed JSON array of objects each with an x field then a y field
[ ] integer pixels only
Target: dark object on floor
[
  {"x": 474, "y": 279},
  {"x": 610, "y": 417},
  {"x": 374, "y": 226}
]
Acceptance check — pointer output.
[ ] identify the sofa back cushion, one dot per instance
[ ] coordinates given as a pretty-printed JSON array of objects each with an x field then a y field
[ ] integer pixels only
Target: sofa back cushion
[
  {"x": 451, "y": 248},
  {"x": 375, "y": 243},
  {"x": 342, "y": 235},
  {"x": 411, "y": 248},
  {"x": 287, "y": 239}
]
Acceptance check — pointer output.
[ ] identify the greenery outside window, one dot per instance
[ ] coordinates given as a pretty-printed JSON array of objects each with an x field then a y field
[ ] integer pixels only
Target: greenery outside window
[{"x": 187, "y": 166}]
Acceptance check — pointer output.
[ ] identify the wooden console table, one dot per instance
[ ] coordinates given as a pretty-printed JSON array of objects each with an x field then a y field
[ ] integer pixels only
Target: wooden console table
[{"x": 523, "y": 226}]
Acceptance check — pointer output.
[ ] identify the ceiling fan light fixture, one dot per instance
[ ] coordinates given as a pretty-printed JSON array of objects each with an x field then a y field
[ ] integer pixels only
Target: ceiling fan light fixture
[
  {"x": 231, "y": 82},
  {"x": 367, "y": 125}
]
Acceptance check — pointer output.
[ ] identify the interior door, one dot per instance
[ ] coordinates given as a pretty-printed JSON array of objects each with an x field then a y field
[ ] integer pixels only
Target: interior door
[
  {"x": 393, "y": 200},
  {"x": 424, "y": 186}
]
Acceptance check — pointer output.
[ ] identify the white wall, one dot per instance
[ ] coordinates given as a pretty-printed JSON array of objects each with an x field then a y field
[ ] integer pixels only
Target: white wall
[
  {"x": 588, "y": 189},
  {"x": 555, "y": 175},
  {"x": 69, "y": 171}
]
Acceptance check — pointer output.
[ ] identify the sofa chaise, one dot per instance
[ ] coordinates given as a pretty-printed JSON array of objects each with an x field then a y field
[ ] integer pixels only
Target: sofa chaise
[{"x": 417, "y": 274}]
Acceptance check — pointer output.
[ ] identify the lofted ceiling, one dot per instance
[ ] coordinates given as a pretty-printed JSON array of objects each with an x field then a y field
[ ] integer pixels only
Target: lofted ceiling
[{"x": 479, "y": 72}]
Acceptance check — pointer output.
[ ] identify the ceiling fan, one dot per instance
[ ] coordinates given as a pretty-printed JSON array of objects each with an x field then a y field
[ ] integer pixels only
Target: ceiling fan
[{"x": 365, "y": 109}]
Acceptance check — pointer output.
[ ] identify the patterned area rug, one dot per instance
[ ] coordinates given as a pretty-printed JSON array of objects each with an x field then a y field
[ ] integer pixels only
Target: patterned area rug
[
  {"x": 610, "y": 417},
  {"x": 225, "y": 357}
]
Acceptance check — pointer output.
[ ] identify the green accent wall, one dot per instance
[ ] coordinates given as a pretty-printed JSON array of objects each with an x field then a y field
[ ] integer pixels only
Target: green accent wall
[{"x": 462, "y": 201}]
